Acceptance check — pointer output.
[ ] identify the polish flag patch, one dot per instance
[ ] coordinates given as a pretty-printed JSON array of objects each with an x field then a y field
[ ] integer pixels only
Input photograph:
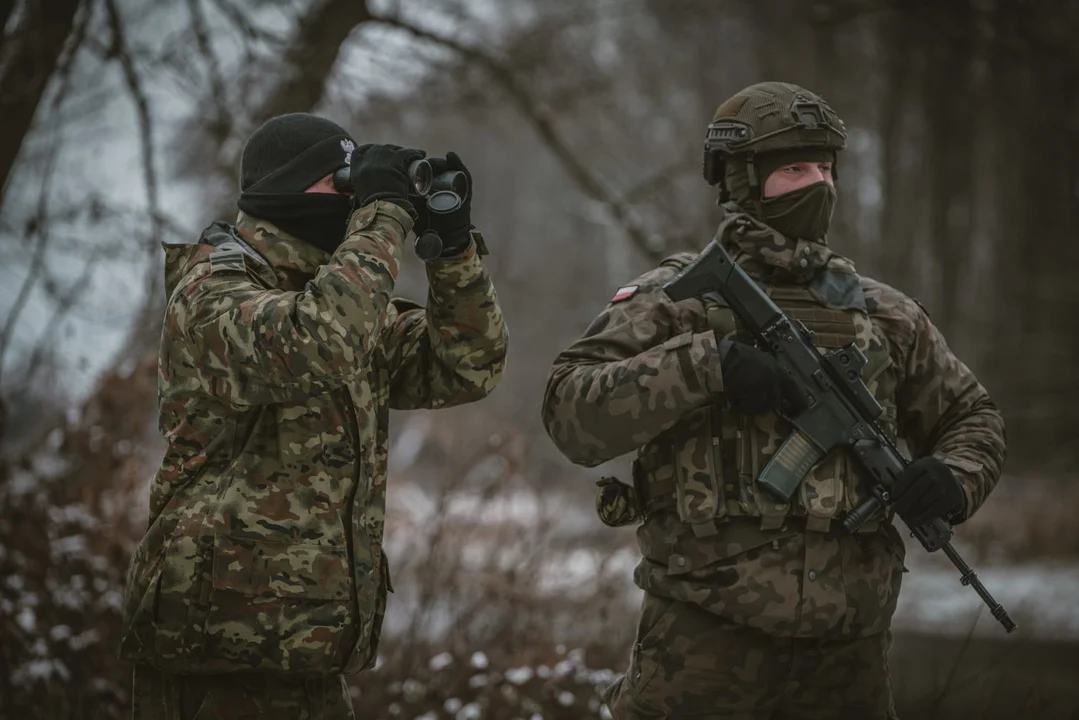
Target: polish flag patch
[{"x": 625, "y": 293}]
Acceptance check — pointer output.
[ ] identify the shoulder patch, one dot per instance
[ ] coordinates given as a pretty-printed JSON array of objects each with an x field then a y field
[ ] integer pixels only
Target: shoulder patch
[
  {"x": 227, "y": 260},
  {"x": 625, "y": 293}
]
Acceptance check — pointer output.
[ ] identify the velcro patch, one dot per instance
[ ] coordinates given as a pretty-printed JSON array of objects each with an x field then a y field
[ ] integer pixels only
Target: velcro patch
[
  {"x": 228, "y": 260},
  {"x": 625, "y": 293}
]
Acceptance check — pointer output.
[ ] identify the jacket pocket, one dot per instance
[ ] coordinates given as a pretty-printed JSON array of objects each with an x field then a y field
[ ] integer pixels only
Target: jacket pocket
[
  {"x": 372, "y": 584},
  {"x": 140, "y": 602},
  {"x": 872, "y": 566},
  {"x": 743, "y": 574},
  {"x": 278, "y": 607},
  {"x": 698, "y": 474}
]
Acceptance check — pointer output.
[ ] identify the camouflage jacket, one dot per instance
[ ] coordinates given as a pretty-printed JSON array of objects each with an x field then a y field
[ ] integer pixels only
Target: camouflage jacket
[
  {"x": 278, "y": 367},
  {"x": 645, "y": 376}
]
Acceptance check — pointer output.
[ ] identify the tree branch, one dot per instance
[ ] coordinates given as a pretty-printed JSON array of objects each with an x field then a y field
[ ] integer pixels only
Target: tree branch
[
  {"x": 6, "y": 8},
  {"x": 67, "y": 62},
  {"x": 543, "y": 124}
]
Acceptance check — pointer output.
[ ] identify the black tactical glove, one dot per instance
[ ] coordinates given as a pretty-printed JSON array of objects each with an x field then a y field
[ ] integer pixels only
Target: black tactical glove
[
  {"x": 754, "y": 383},
  {"x": 927, "y": 489},
  {"x": 452, "y": 227},
  {"x": 380, "y": 172}
]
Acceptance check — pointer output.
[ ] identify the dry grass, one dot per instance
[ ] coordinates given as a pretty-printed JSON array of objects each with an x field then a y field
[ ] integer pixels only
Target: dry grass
[{"x": 493, "y": 616}]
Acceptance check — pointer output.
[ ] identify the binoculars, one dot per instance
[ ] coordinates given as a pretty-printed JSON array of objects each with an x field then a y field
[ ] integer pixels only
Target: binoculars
[{"x": 442, "y": 193}]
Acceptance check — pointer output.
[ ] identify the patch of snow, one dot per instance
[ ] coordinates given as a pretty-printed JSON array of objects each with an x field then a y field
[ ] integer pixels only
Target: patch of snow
[
  {"x": 472, "y": 711},
  {"x": 27, "y": 620},
  {"x": 440, "y": 661},
  {"x": 519, "y": 676}
]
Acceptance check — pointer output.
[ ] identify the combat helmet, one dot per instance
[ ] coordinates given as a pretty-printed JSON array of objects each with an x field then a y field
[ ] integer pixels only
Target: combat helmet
[{"x": 773, "y": 122}]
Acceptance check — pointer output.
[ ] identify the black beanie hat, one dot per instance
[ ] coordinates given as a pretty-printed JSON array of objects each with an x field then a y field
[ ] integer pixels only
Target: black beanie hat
[{"x": 290, "y": 153}]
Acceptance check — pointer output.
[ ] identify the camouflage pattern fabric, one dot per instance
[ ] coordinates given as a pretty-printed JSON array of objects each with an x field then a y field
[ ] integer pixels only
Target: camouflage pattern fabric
[
  {"x": 646, "y": 376},
  {"x": 159, "y": 696},
  {"x": 772, "y": 256},
  {"x": 689, "y": 663},
  {"x": 278, "y": 367}
]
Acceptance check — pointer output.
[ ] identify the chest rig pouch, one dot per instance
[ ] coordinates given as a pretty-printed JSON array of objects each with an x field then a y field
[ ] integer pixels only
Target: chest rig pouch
[{"x": 705, "y": 467}]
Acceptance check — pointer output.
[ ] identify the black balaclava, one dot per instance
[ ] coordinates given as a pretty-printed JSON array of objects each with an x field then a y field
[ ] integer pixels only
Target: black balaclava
[
  {"x": 284, "y": 157},
  {"x": 802, "y": 214}
]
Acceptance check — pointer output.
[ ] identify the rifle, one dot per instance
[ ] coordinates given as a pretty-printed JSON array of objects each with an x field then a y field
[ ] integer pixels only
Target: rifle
[{"x": 841, "y": 411}]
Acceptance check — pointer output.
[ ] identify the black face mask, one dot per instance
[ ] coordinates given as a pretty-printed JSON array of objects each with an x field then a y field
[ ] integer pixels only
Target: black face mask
[
  {"x": 802, "y": 214},
  {"x": 316, "y": 218}
]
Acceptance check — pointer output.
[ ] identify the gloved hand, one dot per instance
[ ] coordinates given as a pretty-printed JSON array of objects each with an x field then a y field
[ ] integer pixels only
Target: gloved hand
[
  {"x": 380, "y": 172},
  {"x": 754, "y": 383},
  {"x": 927, "y": 489},
  {"x": 452, "y": 227}
]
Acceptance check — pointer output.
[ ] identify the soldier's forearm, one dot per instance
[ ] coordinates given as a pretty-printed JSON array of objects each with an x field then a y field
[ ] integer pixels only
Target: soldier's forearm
[
  {"x": 597, "y": 411},
  {"x": 457, "y": 352},
  {"x": 974, "y": 449}
]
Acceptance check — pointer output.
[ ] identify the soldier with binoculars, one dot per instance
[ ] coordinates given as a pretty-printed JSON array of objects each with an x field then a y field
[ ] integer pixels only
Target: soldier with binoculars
[{"x": 261, "y": 579}]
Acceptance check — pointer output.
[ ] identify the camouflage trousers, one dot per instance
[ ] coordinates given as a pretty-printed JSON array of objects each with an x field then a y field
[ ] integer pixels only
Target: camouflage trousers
[
  {"x": 159, "y": 696},
  {"x": 689, "y": 663}
]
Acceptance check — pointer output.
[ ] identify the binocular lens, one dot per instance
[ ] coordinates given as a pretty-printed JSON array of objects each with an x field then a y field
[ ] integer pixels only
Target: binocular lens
[{"x": 421, "y": 176}]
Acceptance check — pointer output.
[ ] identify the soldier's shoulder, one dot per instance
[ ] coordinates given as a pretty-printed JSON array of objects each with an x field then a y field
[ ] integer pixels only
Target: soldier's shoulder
[
  {"x": 647, "y": 288},
  {"x": 679, "y": 261},
  {"x": 883, "y": 300},
  {"x": 207, "y": 266}
]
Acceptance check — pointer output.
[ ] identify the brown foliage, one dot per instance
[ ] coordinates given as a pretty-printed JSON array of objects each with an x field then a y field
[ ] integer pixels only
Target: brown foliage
[{"x": 65, "y": 539}]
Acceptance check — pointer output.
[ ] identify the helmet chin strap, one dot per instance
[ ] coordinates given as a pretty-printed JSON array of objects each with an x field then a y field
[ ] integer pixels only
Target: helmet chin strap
[{"x": 754, "y": 186}]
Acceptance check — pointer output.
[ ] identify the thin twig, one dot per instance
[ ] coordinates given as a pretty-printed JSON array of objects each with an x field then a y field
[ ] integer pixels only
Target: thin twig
[
  {"x": 222, "y": 124},
  {"x": 247, "y": 28},
  {"x": 63, "y": 306},
  {"x": 36, "y": 226},
  {"x": 146, "y": 137},
  {"x": 958, "y": 661}
]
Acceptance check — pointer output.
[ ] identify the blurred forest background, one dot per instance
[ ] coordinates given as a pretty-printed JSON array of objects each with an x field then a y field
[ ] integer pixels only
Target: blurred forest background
[{"x": 121, "y": 125}]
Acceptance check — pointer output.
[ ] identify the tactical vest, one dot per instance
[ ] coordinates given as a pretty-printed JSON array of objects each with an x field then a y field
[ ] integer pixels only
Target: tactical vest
[{"x": 706, "y": 465}]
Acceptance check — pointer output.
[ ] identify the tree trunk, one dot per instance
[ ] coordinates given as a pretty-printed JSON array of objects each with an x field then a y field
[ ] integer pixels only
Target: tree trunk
[
  {"x": 950, "y": 124},
  {"x": 37, "y": 46},
  {"x": 893, "y": 261}
]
